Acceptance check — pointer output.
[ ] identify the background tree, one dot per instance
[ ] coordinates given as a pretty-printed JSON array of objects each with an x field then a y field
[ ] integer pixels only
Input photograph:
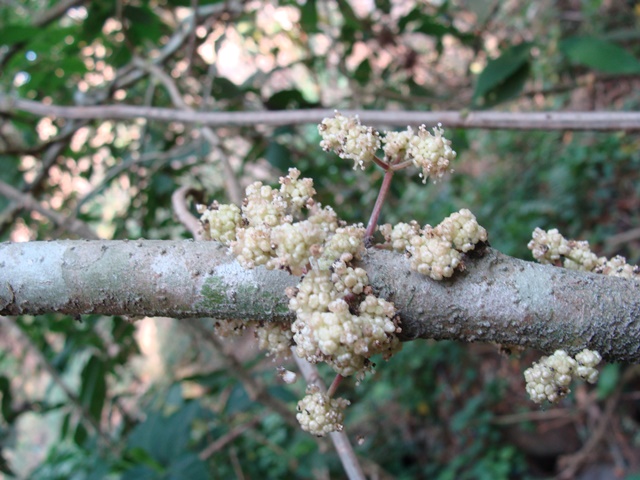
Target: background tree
[{"x": 181, "y": 413}]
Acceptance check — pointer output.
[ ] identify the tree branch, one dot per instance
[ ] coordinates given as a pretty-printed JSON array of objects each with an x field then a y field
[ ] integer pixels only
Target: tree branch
[
  {"x": 606, "y": 121},
  {"x": 496, "y": 299}
]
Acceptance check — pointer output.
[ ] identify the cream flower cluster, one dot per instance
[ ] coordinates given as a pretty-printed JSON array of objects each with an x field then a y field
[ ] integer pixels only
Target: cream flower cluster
[
  {"x": 549, "y": 379},
  {"x": 319, "y": 414},
  {"x": 346, "y": 244},
  {"x": 231, "y": 328},
  {"x": 399, "y": 235},
  {"x": 275, "y": 337},
  {"x": 264, "y": 231},
  {"x": 325, "y": 328},
  {"x": 437, "y": 251},
  {"x": 431, "y": 153},
  {"x": 550, "y": 247},
  {"x": 338, "y": 320},
  {"x": 349, "y": 139},
  {"x": 220, "y": 222}
]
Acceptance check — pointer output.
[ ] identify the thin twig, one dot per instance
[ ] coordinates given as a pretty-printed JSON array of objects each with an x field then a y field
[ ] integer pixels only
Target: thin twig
[
  {"x": 574, "y": 462},
  {"x": 377, "y": 208},
  {"x": 41, "y": 19},
  {"x": 221, "y": 442},
  {"x": 86, "y": 417},
  {"x": 70, "y": 224},
  {"x": 234, "y": 191},
  {"x": 181, "y": 209},
  {"x": 253, "y": 387}
]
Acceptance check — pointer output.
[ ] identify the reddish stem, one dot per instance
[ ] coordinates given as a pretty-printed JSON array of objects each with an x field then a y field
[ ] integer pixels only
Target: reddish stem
[
  {"x": 334, "y": 385},
  {"x": 381, "y": 163},
  {"x": 373, "y": 220}
]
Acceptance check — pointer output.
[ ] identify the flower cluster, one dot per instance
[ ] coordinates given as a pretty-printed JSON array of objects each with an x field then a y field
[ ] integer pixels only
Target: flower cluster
[
  {"x": 437, "y": 251},
  {"x": 338, "y": 319},
  {"x": 319, "y": 414},
  {"x": 431, "y": 153},
  {"x": 325, "y": 328},
  {"x": 550, "y": 247},
  {"x": 349, "y": 139},
  {"x": 220, "y": 222},
  {"x": 549, "y": 379},
  {"x": 275, "y": 337},
  {"x": 264, "y": 231}
]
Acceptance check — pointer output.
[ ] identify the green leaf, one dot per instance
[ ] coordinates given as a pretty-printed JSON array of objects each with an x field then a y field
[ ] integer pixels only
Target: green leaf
[
  {"x": 600, "y": 55},
  {"x": 609, "y": 377},
  {"x": 498, "y": 71},
  {"x": 143, "y": 25},
  {"x": 384, "y": 5},
  {"x": 350, "y": 17},
  {"x": 429, "y": 26},
  {"x": 80, "y": 436},
  {"x": 5, "y": 390},
  {"x": 12, "y": 34},
  {"x": 224, "y": 89},
  {"x": 509, "y": 89},
  {"x": 412, "y": 16},
  {"x": 93, "y": 389},
  {"x": 503, "y": 78},
  {"x": 66, "y": 422},
  {"x": 239, "y": 400},
  {"x": 290, "y": 98},
  {"x": 279, "y": 156},
  {"x": 363, "y": 72},
  {"x": 309, "y": 16},
  {"x": 165, "y": 439}
]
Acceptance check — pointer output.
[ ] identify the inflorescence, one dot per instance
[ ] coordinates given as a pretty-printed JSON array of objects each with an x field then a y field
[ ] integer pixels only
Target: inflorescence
[
  {"x": 431, "y": 153},
  {"x": 551, "y": 247},
  {"x": 549, "y": 379},
  {"x": 339, "y": 319}
]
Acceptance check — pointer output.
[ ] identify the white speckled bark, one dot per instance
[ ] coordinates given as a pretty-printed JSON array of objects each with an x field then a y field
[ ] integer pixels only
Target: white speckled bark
[{"x": 496, "y": 299}]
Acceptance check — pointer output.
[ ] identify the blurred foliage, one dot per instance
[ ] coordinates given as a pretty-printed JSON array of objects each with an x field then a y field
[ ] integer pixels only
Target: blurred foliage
[{"x": 438, "y": 410}]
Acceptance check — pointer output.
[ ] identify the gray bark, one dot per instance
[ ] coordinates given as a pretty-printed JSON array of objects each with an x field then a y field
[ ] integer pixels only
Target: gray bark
[
  {"x": 605, "y": 121},
  {"x": 495, "y": 299}
]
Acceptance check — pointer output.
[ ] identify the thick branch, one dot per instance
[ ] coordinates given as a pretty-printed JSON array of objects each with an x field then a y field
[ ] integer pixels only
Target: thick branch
[
  {"x": 487, "y": 120},
  {"x": 496, "y": 299}
]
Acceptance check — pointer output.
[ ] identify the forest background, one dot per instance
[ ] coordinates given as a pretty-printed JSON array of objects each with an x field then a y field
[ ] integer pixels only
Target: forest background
[{"x": 159, "y": 398}]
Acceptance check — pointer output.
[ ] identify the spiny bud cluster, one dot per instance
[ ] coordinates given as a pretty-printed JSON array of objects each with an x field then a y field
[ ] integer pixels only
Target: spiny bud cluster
[
  {"x": 549, "y": 379},
  {"x": 437, "y": 251},
  {"x": 431, "y": 153},
  {"x": 319, "y": 414},
  {"x": 550, "y": 247}
]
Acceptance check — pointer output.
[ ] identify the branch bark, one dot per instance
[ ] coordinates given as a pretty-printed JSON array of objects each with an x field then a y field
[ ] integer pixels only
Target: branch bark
[
  {"x": 496, "y": 299},
  {"x": 605, "y": 121}
]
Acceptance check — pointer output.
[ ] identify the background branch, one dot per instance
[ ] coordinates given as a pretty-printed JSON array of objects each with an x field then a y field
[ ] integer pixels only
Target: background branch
[{"x": 605, "y": 121}]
